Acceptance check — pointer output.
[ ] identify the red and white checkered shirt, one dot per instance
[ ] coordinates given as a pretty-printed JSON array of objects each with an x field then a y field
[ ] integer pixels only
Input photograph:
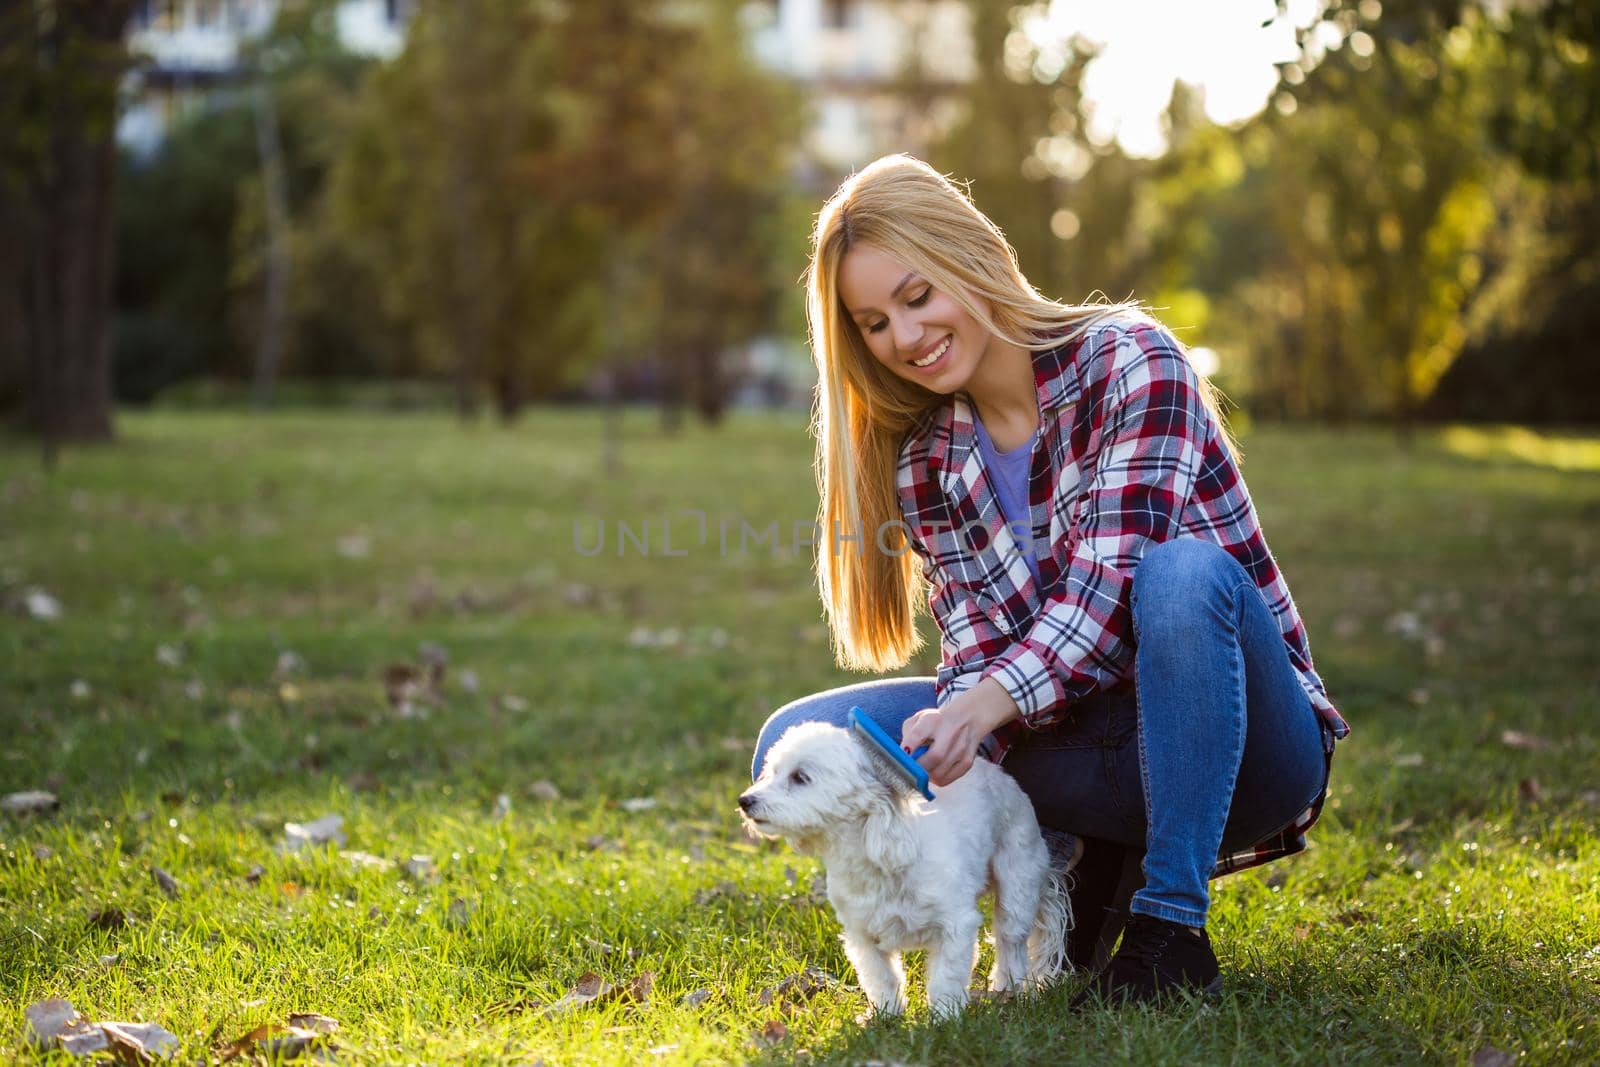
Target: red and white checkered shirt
[{"x": 1127, "y": 456}]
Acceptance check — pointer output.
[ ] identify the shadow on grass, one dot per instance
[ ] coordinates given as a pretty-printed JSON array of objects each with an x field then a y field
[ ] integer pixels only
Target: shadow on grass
[{"x": 1432, "y": 996}]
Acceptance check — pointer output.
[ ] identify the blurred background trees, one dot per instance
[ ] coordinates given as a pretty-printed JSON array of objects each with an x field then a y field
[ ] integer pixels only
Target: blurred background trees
[{"x": 559, "y": 200}]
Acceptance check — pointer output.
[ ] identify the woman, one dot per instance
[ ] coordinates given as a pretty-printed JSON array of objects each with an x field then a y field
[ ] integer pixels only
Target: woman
[{"x": 1113, "y": 628}]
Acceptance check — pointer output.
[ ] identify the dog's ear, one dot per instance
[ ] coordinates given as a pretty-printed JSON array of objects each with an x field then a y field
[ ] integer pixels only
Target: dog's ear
[{"x": 887, "y": 834}]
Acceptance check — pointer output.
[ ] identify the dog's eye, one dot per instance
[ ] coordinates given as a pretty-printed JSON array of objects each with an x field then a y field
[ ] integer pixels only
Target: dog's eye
[{"x": 799, "y": 777}]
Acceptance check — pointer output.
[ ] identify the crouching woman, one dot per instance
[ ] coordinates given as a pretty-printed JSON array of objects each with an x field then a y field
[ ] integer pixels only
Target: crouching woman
[{"x": 1055, "y": 479}]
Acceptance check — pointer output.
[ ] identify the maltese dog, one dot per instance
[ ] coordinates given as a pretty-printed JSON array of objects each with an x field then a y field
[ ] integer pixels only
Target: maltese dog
[{"x": 905, "y": 873}]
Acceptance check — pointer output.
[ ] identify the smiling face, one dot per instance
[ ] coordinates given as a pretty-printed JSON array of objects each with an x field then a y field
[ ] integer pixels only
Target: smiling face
[{"x": 919, "y": 333}]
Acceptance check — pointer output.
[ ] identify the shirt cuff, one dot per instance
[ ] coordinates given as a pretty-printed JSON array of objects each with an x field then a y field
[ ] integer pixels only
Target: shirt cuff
[{"x": 1031, "y": 683}]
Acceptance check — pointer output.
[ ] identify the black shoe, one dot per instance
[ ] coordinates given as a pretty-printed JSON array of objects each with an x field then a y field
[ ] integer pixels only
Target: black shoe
[{"x": 1156, "y": 959}]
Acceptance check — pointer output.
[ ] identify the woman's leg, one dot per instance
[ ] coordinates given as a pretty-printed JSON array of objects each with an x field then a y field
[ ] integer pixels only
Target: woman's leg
[
  {"x": 889, "y": 701},
  {"x": 1230, "y": 748}
]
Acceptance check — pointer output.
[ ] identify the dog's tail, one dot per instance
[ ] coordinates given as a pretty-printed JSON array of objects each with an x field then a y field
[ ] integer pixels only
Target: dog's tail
[{"x": 1047, "y": 943}]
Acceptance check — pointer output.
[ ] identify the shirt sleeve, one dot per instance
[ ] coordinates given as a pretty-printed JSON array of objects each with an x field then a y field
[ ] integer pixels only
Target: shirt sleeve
[{"x": 1149, "y": 426}]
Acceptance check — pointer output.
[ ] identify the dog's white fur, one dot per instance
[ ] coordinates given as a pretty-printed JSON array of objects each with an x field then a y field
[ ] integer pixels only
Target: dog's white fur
[{"x": 905, "y": 873}]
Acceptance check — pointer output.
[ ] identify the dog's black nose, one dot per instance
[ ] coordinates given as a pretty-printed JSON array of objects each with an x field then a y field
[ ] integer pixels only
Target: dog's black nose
[{"x": 746, "y": 801}]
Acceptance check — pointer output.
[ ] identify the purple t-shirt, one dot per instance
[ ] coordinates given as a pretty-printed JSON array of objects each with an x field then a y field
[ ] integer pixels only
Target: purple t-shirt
[{"x": 1008, "y": 473}]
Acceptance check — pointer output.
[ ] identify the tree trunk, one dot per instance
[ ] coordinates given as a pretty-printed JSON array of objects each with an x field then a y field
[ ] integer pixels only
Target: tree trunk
[
  {"x": 269, "y": 350},
  {"x": 710, "y": 388},
  {"x": 68, "y": 225}
]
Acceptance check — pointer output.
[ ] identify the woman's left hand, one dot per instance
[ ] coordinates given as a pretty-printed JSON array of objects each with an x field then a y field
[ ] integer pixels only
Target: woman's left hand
[{"x": 953, "y": 732}]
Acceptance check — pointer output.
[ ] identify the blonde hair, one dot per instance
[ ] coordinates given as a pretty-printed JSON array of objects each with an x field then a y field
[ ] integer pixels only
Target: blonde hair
[{"x": 909, "y": 211}]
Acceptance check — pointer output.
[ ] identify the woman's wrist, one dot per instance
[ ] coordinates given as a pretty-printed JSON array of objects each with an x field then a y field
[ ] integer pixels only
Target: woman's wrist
[{"x": 987, "y": 706}]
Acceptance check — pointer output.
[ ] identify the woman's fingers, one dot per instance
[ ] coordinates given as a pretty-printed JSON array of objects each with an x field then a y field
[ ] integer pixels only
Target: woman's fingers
[{"x": 950, "y": 749}]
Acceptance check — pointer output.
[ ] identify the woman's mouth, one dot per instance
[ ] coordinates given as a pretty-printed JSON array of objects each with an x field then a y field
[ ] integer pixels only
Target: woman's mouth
[{"x": 932, "y": 358}]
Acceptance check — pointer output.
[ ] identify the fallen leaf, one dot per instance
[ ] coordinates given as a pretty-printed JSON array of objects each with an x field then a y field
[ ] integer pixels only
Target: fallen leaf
[
  {"x": 108, "y": 918},
  {"x": 502, "y": 807},
  {"x": 289, "y": 663},
  {"x": 253, "y": 875},
  {"x": 298, "y": 836},
  {"x": 722, "y": 890},
  {"x": 420, "y": 869},
  {"x": 80, "y": 689},
  {"x": 634, "y": 805},
  {"x": 42, "y": 605},
  {"x": 367, "y": 861},
  {"x": 459, "y": 913},
  {"x": 43, "y": 852},
  {"x": 140, "y": 1042},
  {"x": 696, "y": 997},
  {"x": 45, "y": 1020},
  {"x": 512, "y": 702},
  {"x": 799, "y": 987},
  {"x": 29, "y": 802},
  {"x": 1409, "y": 759},
  {"x": 1526, "y": 742},
  {"x": 169, "y": 655},
  {"x": 167, "y": 884},
  {"x": 469, "y": 681},
  {"x": 321, "y": 1024},
  {"x": 773, "y": 1032},
  {"x": 354, "y": 546},
  {"x": 1529, "y": 790},
  {"x": 275, "y": 1041},
  {"x": 1489, "y": 1056},
  {"x": 545, "y": 790},
  {"x": 601, "y": 843}
]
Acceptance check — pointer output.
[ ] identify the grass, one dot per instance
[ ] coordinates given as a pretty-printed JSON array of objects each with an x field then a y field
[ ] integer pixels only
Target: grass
[{"x": 1449, "y": 906}]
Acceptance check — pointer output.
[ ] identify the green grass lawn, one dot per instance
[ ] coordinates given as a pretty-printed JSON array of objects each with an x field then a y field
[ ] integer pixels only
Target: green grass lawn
[{"x": 233, "y": 592}]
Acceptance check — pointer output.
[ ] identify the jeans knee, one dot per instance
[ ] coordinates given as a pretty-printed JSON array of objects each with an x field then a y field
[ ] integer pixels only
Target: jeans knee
[{"x": 1177, "y": 584}]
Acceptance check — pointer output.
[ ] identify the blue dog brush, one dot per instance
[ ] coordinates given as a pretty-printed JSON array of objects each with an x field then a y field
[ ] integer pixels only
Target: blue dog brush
[{"x": 891, "y": 755}]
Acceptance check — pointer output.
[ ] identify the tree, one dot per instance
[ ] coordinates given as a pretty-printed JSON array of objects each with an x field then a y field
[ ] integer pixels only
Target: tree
[{"x": 60, "y": 64}]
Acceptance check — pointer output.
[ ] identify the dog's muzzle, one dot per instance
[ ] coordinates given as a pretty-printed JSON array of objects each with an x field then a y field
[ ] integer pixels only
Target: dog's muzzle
[{"x": 746, "y": 802}]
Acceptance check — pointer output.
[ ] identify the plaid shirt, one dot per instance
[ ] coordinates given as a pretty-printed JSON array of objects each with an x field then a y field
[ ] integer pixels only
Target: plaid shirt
[{"x": 1127, "y": 456}]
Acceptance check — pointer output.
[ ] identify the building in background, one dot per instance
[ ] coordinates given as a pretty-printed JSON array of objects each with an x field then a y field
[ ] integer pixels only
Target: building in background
[{"x": 186, "y": 50}]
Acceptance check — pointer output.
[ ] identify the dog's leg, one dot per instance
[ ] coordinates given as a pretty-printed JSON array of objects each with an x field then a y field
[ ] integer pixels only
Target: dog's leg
[
  {"x": 949, "y": 966},
  {"x": 1023, "y": 893},
  {"x": 882, "y": 977}
]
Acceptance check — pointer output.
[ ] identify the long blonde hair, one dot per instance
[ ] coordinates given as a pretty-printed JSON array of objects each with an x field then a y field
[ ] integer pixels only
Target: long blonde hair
[{"x": 915, "y": 215}]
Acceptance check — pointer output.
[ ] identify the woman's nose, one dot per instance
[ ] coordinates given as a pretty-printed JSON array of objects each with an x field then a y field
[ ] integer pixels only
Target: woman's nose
[{"x": 907, "y": 335}]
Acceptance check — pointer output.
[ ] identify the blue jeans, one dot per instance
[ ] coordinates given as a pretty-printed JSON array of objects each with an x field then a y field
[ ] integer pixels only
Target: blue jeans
[{"x": 1213, "y": 746}]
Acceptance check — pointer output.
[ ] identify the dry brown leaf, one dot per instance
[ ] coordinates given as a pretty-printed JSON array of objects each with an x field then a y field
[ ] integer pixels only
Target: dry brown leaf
[
  {"x": 140, "y": 1043},
  {"x": 323, "y": 831},
  {"x": 459, "y": 913},
  {"x": 168, "y": 885},
  {"x": 420, "y": 869},
  {"x": 1489, "y": 1056},
  {"x": 108, "y": 918},
  {"x": 774, "y": 1032},
  {"x": 306, "y": 1020},
  {"x": 29, "y": 802},
  {"x": 799, "y": 987},
  {"x": 696, "y": 997},
  {"x": 1525, "y": 741},
  {"x": 1528, "y": 789},
  {"x": 278, "y": 1042},
  {"x": 545, "y": 790}
]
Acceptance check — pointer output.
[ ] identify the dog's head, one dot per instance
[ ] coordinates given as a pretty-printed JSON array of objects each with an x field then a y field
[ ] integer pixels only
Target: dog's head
[{"x": 817, "y": 779}]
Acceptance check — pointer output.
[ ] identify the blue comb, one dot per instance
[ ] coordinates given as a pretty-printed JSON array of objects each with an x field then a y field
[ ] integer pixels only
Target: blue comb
[{"x": 893, "y": 756}]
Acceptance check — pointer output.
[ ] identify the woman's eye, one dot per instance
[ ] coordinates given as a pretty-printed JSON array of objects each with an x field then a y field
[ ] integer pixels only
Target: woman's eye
[
  {"x": 800, "y": 778},
  {"x": 921, "y": 299}
]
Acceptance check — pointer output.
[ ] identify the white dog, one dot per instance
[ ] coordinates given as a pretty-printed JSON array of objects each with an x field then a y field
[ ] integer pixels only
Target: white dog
[{"x": 905, "y": 873}]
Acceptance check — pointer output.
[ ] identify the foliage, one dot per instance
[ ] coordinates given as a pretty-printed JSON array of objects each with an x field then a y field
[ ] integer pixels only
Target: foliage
[{"x": 522, "y": 171}]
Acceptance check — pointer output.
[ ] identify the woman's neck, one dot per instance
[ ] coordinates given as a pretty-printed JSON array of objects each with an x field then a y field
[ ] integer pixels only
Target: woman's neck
[{"x": 1002, "y": 388}]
